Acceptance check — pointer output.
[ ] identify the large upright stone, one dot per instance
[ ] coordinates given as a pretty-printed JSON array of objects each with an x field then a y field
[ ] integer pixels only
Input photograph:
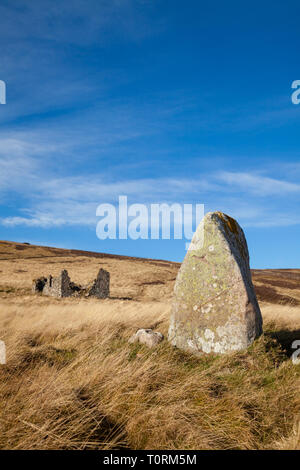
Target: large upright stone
[{"x": 215, "y": 309}]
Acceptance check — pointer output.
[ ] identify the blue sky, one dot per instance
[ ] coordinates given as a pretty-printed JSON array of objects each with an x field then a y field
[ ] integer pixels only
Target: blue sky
[{"x": 162, "y": 101}]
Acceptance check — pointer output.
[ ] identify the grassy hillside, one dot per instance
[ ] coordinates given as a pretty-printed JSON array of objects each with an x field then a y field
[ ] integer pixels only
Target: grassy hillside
[{"x": 72, "y": 380}]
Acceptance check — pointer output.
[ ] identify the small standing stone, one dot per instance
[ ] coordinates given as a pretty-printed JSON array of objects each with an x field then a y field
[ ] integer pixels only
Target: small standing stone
[{"x": 215, "y": 309}]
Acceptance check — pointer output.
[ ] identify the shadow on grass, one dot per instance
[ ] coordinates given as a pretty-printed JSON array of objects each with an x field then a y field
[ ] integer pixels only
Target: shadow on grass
[
  {"x": 121, "y": 298},
  {"x": 102, "y": 429},
  {"x": 285, "y": 338}
]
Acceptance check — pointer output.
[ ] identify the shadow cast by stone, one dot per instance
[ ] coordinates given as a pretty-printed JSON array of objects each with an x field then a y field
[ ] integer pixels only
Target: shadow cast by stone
[{"x": 285, "y": 338}]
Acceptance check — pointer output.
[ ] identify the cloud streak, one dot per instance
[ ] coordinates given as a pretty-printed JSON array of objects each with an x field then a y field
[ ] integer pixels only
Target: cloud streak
[
  {"x": 257, "y": 184},
  {"x": 53, "y": 201}
]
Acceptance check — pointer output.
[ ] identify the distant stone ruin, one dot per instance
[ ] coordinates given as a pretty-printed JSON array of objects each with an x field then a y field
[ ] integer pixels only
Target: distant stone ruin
[
  {"x": 61, "y": 286},
  {"x": 38, "y": 285},
  {"x": 100, "y": 286},
  {"x": 215, "y": 309}
]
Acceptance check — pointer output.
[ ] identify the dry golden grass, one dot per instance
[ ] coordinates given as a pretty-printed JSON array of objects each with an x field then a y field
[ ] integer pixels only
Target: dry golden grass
[{"x": 72, "y": 380}]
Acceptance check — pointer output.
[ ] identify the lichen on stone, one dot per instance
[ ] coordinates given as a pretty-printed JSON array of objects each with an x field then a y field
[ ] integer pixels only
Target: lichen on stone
[{"x": 215, "y": 308}]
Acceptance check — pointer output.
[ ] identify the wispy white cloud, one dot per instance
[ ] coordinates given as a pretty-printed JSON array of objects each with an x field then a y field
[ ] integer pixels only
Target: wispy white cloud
[
  {"x": 53, "y": 201},
  {"x": 258, "y": 184},
  {"x": 73, "y": 201},
  {"x": 43, "y": 58},
  {"x": 273, "y": 218}
]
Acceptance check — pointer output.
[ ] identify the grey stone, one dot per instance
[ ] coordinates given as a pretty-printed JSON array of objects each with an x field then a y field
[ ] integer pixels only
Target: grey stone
[
  {"x": 148, "y": 337},
  {"x": 58, "y": 286},
  {"x": 100, "y": 287},
  {"x": 214, "y": 308}
]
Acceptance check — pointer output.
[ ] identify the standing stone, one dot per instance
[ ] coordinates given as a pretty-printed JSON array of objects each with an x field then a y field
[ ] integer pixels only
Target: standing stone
[
  {"x": 215, "y": 309},
  {"x": 100, "y": 287}
]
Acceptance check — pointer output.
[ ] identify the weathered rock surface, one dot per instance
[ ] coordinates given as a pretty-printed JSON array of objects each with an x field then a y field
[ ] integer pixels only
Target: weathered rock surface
[
  {"x": 148, "y": 337},
  {"x": 215, "y": 309},
  {"x": 58, "y": 286}
]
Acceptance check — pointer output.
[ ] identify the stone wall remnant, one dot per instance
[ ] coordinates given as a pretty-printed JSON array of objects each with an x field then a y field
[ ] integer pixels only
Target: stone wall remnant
[
  {"x": 58, "y": 286},
  {"x": 38, "y": 285},
  {"x": 100, "y": 287},
  {"x": 62, "y": 286}
]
